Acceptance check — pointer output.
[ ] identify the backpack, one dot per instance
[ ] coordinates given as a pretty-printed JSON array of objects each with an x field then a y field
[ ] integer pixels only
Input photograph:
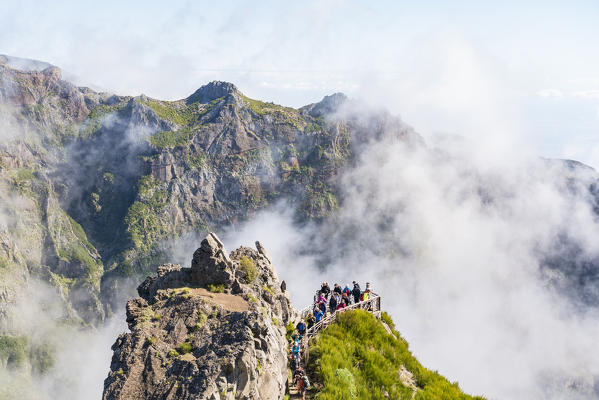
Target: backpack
[{"x": 306, "y": 381}]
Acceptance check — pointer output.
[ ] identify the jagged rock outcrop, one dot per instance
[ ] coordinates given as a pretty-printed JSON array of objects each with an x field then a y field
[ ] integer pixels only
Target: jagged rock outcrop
[{"x": 212, "y": 331}]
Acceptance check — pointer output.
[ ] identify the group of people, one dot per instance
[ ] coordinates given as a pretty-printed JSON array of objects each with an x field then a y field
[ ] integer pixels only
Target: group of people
[
  {"x": 300, "y": 379},
  {"x": 325, "y": 300},
  {"x": 329, "y": 300}
]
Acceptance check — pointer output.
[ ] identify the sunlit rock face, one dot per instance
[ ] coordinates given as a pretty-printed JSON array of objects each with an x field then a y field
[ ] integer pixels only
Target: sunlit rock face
[{"x": 212, "y": 331}]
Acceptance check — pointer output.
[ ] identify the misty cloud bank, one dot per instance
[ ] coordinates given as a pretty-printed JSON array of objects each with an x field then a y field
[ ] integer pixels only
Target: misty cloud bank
[
  {"x": 456, "y": 243},
  {"x": 80, "y": 355}
]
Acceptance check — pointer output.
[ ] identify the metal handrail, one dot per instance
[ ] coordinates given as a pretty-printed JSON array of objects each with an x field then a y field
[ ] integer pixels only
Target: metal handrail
[{"x": 372, "y": 305}]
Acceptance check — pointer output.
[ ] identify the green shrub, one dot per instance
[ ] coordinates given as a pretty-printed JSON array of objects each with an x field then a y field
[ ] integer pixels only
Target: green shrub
[
  {"x": 14, "y": 350},
  {"x": 252, "y": 298},
  {"x": 269, "y": 290},
  {"x": 387, "y": 319},
  {"x": 150, "y": 340},
  {"x": 201, "y": 321},
  {"x": 215, "y": 288},
  {"x": 248, "y": 266},
  {"x": 4, "y": 263},
  {"x": 173, "y": 353},
  {"x": 24, "y": 174},
  {"x": 289, "y": 328},
  {"x": 355, "y": 357},
  {"x": 184, "y": 348}
]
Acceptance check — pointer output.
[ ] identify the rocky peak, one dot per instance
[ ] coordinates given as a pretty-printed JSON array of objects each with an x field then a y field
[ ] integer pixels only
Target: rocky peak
[
  {"x": 212, "y": 331},
  {"x": 23, "y": 64},
  {"x": 212, "y": 91},
  {"x": 328, "y": 105}
]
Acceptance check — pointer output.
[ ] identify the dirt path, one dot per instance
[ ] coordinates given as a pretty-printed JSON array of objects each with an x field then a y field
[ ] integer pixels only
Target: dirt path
[{"x": 229, "y": 302}]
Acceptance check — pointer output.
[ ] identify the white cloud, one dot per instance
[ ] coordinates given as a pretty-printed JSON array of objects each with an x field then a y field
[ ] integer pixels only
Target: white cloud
[
  {"x": 587, "y": 94},
  {"x": 552, "y": 93},
  {"x": 452, "y": 244}
]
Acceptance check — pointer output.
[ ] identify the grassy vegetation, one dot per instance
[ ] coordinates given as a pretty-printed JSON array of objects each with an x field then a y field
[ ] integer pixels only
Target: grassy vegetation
[
  {"x": 4, "y": 263},
  {"x": 252, "y": 298},
  {"x": 289, "y": 328},
  {"x": 286, "y": 115},
  {"x": 248, "y": 266},
  {"x": 180, "y": 115},
  {"x": 320, "y": 201},
  {"x": 197, "y": 161},
  {"x": 94, "y": 120},
  {"x": 186, "y": 116},
  {"x": 75, "y": 252},
  {"x": 215, "y": 288},
  {"x": 15, "y": 351},
  {"x": 78, "y": 231},
  {"x": 170, "y": 139},
  {"x": 355, "y": 358},
  {"x": 184, "y": 348},
  {"x": 201, "y": 321},
  {"x": 143, "y": 225}
]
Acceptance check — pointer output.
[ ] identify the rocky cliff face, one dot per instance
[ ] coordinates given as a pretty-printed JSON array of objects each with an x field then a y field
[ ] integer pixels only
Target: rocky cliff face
[{"x": 212, "y": 331}]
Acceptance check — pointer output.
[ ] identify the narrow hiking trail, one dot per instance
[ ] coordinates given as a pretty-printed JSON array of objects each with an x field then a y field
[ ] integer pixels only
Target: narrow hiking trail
[{"x": 372, "y": 305}]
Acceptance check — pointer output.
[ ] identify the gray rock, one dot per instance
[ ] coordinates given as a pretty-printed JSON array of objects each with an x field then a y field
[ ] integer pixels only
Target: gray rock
[{"x": 234, "y": 345}]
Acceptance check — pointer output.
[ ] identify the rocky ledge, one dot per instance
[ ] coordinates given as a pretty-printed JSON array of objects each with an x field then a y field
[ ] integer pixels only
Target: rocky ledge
[{"x": 212, "y": 331}]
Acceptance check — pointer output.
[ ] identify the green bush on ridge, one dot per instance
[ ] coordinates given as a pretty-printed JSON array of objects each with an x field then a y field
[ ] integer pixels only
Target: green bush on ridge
[{"x": 355, "y": 358}]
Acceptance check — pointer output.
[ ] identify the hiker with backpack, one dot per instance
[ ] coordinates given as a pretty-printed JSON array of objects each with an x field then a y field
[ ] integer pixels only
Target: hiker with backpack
[
  {"x": 317, "y": 313},
  {"x": 356, "y": 292},
  {"x": 311, "y": 320},
  {"x": 333, "y": 303},
  {"x": 347, "y": 292},
  {"x": 301, "y": 380},
  {"x": 301, "y": 328},
  {"x": 337, "y": 289},
  {"x": 346, "y": 299},
  {"x": 317, "y": 296},
  {"x": 325, "y": 290},
  {"x": 322, "y": 306}
]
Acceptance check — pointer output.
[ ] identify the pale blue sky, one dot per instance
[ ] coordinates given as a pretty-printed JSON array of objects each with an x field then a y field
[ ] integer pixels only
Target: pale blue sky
[{"x": 488, "y": 69}]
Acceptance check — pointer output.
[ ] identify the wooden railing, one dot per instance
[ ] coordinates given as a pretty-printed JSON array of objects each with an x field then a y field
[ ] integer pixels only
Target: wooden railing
[{"x": 372, "y": 305}]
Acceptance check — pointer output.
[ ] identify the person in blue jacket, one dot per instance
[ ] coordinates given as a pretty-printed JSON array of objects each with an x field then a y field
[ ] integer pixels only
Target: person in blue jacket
[{"x": 317, "y": 314}]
